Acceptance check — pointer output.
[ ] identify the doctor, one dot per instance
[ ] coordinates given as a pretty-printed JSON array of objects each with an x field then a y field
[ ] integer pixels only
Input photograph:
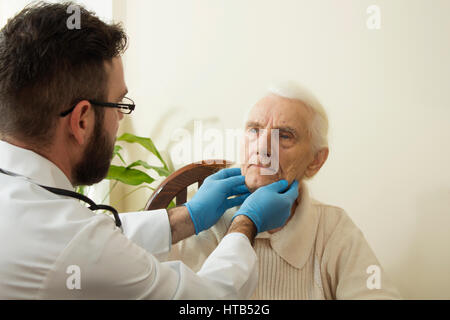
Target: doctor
[{"x": 62, "y": 95}]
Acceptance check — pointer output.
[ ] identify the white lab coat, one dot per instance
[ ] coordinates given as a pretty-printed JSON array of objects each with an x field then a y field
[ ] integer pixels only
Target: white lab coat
[{"x": 53, "y": 247}]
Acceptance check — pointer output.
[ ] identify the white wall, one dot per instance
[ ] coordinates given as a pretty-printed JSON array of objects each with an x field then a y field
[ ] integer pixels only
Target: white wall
[{"x": 386, "y": 92}]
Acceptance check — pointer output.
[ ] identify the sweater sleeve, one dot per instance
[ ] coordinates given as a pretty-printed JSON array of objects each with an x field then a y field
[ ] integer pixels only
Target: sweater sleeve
[{"x": 349, "y": 267}]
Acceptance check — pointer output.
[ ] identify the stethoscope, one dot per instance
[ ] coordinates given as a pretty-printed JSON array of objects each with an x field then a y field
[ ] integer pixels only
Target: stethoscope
[{"x": 72, "y": 194}]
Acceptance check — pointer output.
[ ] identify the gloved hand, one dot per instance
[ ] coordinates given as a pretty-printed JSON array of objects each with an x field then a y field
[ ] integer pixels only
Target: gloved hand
[
  {"x": 269, "y": 207},
  {"x": 210, "y": 201}
]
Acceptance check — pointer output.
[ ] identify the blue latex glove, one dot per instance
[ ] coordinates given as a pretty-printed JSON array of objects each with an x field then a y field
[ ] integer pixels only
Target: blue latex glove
[
  {"x": 269, "y": 207},
  {"x": 210, "y": 201}
]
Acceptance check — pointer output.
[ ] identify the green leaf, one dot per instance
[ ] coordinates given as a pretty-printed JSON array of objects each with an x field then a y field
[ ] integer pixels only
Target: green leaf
[
  {"x": 116, "y": 152},
  {"x": 171, "y": 205},
  {"x": 129, "y": 176},
  {"x": 161, "y": 171},
  {"x": 81, "y": 189},
  {"x": 147, "y": 143}
]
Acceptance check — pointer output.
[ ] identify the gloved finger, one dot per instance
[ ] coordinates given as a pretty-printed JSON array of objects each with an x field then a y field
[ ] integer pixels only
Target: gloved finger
[
  {"x": 278, "y": 186},
  {"x": 292, "y": 192},
  {"x": 231, "y": 183},
  {"x": 240, "y": 189},
  {"x": 225, "y": 173},
  {"x": 236, "y": 201}
]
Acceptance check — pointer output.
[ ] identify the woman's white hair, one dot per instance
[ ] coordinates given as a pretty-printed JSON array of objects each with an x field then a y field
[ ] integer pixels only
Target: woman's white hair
[{"x": 319, "y": 125}]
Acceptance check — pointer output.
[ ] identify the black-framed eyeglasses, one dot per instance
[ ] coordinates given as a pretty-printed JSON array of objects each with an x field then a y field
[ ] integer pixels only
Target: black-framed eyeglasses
[{"x": 125, "y": 106}]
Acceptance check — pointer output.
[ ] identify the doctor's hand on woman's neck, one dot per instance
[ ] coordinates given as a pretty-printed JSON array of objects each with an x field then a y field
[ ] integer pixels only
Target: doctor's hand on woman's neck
[
  {"x": 267, "y": 208},
  {"x": 209, "y": 203}
]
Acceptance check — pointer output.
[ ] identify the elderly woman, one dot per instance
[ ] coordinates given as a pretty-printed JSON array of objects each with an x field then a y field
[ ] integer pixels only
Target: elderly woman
[{"x": 319, "y": 253}]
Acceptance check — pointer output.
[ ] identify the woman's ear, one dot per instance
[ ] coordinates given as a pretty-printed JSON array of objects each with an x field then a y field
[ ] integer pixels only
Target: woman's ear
[
  {"x": 82, "y": 120},
  {"x": 317, "y": 163}
]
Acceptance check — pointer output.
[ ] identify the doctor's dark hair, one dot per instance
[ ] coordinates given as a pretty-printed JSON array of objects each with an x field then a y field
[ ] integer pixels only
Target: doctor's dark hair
[{"x": 46, "y": 67}]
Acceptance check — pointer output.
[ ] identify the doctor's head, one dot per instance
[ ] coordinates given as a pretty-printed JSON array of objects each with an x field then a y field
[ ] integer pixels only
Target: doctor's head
[
  {"x": 56, "y": 60},
  {"x": 285, "y": 137}
]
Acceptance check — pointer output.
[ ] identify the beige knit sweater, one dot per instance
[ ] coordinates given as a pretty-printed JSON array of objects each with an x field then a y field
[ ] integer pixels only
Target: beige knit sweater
[{"x": 318, "y": 254}]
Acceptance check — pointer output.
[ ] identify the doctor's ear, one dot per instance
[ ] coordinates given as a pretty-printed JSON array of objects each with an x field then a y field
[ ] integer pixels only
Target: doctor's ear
[
  {"x": 319, "y": 159},
  {"x": 81, "y": 121}
]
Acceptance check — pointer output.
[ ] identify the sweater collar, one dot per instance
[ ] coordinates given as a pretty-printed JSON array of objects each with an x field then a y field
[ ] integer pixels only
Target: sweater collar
[
  {"x": 294, "y": 242},
  {"x": 31, "y": 165}
]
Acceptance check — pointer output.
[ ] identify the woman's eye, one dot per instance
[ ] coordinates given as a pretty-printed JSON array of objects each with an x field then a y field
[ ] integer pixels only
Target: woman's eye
[
  {"x": 285, "y": 136},
  {"x": 253, "y": 130}
]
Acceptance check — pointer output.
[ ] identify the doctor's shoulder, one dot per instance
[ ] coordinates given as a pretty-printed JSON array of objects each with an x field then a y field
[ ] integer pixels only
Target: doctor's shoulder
[
  {"x": 40, "y": 228},
  {"x": 41, "y": 216},
  {"x": 24, "y": 198}
]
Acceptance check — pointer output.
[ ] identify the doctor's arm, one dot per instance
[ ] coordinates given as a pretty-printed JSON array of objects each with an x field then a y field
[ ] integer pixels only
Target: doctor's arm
[
  {"x": 110, "y": 266},
  {"x": 113, "y": 267}
]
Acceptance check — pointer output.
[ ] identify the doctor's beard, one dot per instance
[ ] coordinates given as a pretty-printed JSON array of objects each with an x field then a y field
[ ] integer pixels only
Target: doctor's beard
[{"x": 97, "y": 156}]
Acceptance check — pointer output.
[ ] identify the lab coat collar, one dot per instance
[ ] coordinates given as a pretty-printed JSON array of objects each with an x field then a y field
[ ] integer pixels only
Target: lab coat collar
[
  {"x": 33, "y": 166},
  {"x": 295, "y": 241}
]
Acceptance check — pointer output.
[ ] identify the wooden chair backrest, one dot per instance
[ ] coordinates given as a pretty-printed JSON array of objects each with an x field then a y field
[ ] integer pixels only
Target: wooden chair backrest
[{"x": 175, "y": 185}]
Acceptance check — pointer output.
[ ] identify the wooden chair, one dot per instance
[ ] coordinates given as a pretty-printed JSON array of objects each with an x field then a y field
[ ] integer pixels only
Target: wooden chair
[{"x": 175, "y": 185}]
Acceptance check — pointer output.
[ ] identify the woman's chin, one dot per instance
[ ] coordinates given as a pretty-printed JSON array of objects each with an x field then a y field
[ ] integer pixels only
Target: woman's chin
[{"x": 255, "y": 181}]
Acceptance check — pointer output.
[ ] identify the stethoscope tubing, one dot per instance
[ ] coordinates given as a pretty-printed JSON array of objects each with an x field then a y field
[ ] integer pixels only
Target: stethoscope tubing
[{"x": 72, "y": 194}]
